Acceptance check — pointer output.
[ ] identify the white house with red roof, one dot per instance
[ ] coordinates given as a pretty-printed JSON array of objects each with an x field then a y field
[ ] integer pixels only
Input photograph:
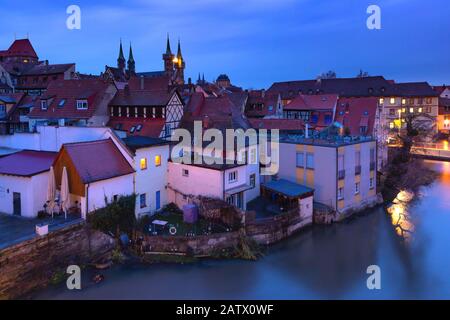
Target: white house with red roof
[{"x": 23, "y": 181}]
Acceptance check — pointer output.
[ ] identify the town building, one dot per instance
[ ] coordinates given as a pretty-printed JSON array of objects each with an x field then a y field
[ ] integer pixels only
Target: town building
[
  {"x": 24, "y": 177},
  {"x": 98, "y": 171},
  {"x": 150, "y": 162},
  {"x": 73, "y": 103},
  {"x": 145, "y": 107},
  {"x": 443, "y": 121},
  {"x": 341, "y": 170}
]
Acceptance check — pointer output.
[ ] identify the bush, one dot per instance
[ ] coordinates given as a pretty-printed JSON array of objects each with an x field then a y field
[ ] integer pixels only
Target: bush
[{"x": 116, "y": 217}]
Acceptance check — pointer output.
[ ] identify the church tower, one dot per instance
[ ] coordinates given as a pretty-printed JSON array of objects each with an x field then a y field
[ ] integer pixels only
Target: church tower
[
  {"x": 121, "y": 59},
  {"x": 131, "y": 63},
  {"x": 168, "y": 58},
  {"x": 179, "y": 66}
]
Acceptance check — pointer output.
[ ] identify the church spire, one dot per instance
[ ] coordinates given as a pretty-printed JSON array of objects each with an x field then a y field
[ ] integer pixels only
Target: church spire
[
  {"x": 179, "y": 56},
  {"x": 131, "y": 62},
  {"x": 168, "y": 51},
  {"x": 121, "y": 59}
]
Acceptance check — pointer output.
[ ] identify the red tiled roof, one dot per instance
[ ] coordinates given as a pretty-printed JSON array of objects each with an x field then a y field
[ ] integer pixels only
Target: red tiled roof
[
  {"x": 280, "y": 124},
  {"x": 128, "y": 97},
  {"x": 356, "y": 112},
  {"x": 97, "y": 160},
  {"x": 150, "y": 127},
  {"x": 20, "y": 47},
  {"x": 27, "y": 163},
  {"x": 70, "y": 90},
  {"x": 160, "y": 83},
  {"x": 313, "y": 102},
  {"x": 47, "y": 69}
]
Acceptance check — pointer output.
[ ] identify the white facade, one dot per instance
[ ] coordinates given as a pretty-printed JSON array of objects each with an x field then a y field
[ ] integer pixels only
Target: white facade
[
  {"x": 31, "y": 191},
  {"x": 151, "y": 182}
]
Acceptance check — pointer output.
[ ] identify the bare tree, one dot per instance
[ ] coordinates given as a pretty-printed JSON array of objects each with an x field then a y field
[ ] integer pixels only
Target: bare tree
[{"x": 327, "y": 75}]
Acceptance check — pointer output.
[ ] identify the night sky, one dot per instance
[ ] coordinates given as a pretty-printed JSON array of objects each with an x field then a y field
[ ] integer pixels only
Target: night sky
[{"x": 255, "y": 42}]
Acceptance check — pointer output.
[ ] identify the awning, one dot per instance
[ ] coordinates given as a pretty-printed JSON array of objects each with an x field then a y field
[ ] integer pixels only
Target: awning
[
  {"x": 241, "y": 188},
  {"x": 288, "y": 188}
]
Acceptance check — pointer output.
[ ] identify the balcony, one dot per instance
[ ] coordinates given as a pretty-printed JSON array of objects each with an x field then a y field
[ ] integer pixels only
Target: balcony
[
  {"x": 357, "y": 170},
  {"x": 341, "y": 174}
]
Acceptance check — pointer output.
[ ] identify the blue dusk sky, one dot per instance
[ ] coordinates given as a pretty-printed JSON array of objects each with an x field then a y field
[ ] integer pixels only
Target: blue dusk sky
[{"x": 255, "y": 42}]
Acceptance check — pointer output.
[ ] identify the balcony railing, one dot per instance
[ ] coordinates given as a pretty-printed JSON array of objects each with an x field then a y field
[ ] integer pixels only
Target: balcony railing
[
  {"x": 357, "y": 170},
  {"x": 341, "y": 174}
]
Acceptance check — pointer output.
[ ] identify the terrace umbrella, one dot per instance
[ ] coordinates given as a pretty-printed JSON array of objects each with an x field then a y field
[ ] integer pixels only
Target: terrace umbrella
[
  {"x": 65, "y": 192},
  {"x": 51, "y": 191}
]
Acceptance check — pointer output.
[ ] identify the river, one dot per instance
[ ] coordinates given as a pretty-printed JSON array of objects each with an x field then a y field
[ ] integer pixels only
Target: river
[{"x": 411, "y": 247}]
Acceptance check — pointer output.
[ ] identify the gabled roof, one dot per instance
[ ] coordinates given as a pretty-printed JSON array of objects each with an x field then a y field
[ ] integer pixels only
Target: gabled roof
[
  {"x": 20, "y": 47},
  {"x": 62, "y": 96},
  {"x": 355, "y": 113},
  {"x": 27, "y": 163},
  {"x": 313, "y": 102},
  {"x": 157, "y": 83},
  {"x": 140, "y": 98},
  {"x": 97, "y": 160}
]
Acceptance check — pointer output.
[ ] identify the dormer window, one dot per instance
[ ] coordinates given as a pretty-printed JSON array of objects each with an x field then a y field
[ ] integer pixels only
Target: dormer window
[
  {"x": 82, "y": 105},
  {"x": 61, "y": 103},
  {"x": 44, "y": 104}
]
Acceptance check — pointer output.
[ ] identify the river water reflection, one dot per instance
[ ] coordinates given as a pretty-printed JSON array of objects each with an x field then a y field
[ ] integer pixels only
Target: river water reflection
[{"x": 411, "y": 246}]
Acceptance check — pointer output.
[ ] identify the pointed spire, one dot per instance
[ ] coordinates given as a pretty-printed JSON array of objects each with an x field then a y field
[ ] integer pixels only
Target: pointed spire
[
  {"x": 131, "y": 63},
  {"x": 199, "y": 80},
  {"x": 168, "y": 51},
  {"x": 179, "y": 56},
  {"x": 203, "y": 78},
  {"x": 121, "y": 59}
]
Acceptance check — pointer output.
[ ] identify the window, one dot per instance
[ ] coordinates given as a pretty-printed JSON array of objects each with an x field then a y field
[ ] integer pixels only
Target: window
[
  {"x": 82, "y": 105},
  {"x": 61, "y": 103},
  {"x": 429, "y": 100},
  {"x": 327, "y": 118},
  {"x": 392, "y": 112},
  {"x": 357, "y": 188},
  {"x": 310, "y": 161},
  {"x": 420, "y": 100},
  {"x": 403, "y": 110},
  {"x": 115, "y": 198},
  {"x": 392, "y": 101},
  {"x": 411, "y": 110},
  {"x": 139, "y": 127},
  {"x": 371, "y": 183},
  {"x": 132, "y": 129},
  {"x": 403, "y": 101},
  {"x": 391, "y": 125},
  {"x": 185, "y": 173},
  {"x": 253, "y": 180},
  {"x": 232, "y": 176},
  {"x": 143, "y": 164},
  {"x": 381, "y": 101},
  {"x": 300, "y": 159},
  {"x": 157, "y": 160},
  {"x": 143, "y": 200},
  {"x": 341, "y": 193},
  {"x": 428, "y": 109},
  {"x": 420, "y": 110},
  {"x": 44, "y": 105}
]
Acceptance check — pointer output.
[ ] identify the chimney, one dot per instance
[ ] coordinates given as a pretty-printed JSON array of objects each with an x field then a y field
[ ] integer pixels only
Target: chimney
[
  {"x": 142, "y": 82},
  {"x": 307, "y": 131}
]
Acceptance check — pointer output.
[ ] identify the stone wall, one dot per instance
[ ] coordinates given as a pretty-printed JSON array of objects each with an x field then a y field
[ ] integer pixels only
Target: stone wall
[
  {"x": 270, "y": 230},
  {"x": 30, "y": 264},
  {"x": 203, "y": 245}
]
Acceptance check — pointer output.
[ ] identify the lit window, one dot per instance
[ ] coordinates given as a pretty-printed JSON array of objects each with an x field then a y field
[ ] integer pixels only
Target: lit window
[
  {"x": 403, "y": 101},
  {"x": 157, "y": 160},
  {"x": 420, "y": 110},
  {"x": 381, "y": 101},
  {"x": 357, "y": 188},
  {"x": 82, "y": 105},
  {"x": 392, "y": 101},
  {"x": 143, "y": 163},
  {"x": 232, "y": 176},
  {"x": 411, "y": 110},
  {"x": 391, "y": 125},
  {"x": 404, "y": 110}
]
